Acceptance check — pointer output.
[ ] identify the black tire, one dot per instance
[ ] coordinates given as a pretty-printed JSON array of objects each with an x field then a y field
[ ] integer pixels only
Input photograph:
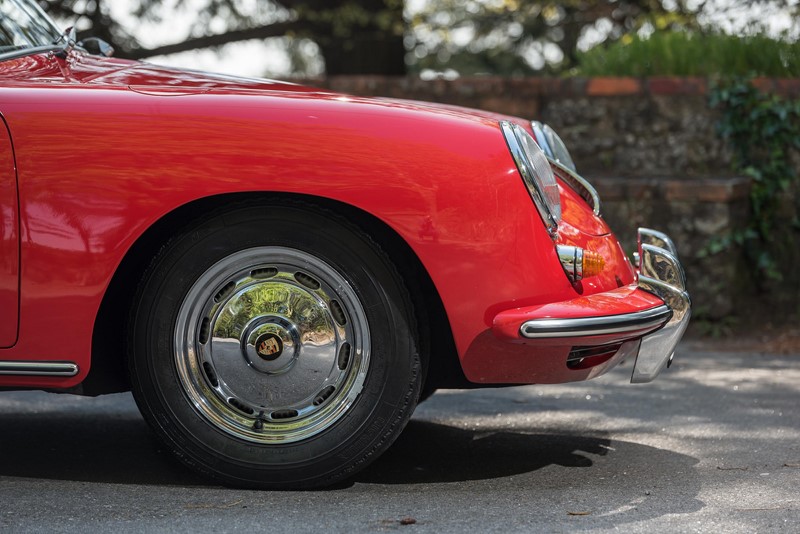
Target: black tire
[{"x": 185, "y": 365}]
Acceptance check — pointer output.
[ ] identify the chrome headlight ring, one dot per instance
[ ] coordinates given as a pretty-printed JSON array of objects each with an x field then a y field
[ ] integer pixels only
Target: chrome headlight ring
[
  {"x": 553, "y": 146},
  {"x": 558, "y": 154},
  {"x": 578, "y": 184},
  {"x": 536, "y": 172},
  {"x": 538, "y": 134}
]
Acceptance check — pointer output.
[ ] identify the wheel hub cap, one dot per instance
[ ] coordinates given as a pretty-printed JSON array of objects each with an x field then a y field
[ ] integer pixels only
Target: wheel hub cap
[{"x": 272, "y": 345}]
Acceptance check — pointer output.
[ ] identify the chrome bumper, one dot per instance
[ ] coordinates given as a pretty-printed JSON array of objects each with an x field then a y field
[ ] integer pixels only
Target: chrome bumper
[{"x": 661, "y": 274}]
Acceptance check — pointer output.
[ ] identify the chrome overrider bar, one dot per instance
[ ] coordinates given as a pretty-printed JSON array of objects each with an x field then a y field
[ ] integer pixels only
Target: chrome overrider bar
[{"x": 661, "y": 274}]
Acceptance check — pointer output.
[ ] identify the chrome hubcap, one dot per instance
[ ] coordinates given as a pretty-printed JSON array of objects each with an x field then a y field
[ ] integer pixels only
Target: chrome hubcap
[{"x": 272, "y": 345}]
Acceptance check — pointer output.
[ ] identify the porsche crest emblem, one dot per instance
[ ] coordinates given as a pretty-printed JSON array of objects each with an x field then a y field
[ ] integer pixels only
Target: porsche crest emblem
[{"x": 269, "y": 346}]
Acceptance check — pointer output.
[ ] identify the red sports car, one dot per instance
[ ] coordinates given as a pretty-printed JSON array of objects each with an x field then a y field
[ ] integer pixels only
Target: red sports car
[{"x": 279, "y": 273}]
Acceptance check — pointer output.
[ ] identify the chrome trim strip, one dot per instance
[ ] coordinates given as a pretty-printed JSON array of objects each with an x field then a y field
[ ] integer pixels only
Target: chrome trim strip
[
  {"x": 22, "y": 52},
  {"x": 592, "y": 326},
  {"x": 38, "y": 368},
  {"x": 579, "y": 184}
]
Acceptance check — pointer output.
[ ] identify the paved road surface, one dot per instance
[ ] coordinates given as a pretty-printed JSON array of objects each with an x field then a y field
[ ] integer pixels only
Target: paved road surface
[{"x": 712, "y": 446}]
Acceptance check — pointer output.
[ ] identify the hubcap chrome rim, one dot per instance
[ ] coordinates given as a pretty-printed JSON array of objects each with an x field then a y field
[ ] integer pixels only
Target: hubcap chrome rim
[{"x": 272, "y": 345}]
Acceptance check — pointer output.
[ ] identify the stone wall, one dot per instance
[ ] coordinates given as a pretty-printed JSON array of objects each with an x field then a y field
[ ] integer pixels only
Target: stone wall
[
  {"x": 692, "y": 212},
  {"x": 649, "y": 146}
]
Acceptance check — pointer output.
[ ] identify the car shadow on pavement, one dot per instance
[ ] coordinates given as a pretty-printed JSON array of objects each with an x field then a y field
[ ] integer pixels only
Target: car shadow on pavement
[
  {"x": 105, "y": 447},
  {"x": 428, "y": 452},
  {"x": 52, "y": 441},
  {"x": 105, "y": 440}
]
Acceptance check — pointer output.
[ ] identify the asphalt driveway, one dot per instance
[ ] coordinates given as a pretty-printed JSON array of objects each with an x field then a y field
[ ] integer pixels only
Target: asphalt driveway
[{"x": 713, "y": 445}]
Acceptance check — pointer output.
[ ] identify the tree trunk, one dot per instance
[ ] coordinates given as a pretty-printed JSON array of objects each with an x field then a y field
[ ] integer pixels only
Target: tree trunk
[
  {"x": 364, "y": 54},
  {"x": 369, "y": 44}
]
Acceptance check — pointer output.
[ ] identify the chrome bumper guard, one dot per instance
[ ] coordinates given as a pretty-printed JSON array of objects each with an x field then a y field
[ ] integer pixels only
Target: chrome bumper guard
[
  {"x": 661, "y": 274},
  {"x": 595, "y": 326}
]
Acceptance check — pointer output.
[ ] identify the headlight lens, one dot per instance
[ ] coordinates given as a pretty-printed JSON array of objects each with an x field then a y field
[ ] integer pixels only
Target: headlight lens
[
  {"x": 552, "y": 145},
  {"x": 536, "y": 172}
]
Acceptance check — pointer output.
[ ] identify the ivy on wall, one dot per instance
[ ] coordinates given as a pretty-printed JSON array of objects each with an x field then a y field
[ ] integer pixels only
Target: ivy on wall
[{"x": 763, "y": 132}]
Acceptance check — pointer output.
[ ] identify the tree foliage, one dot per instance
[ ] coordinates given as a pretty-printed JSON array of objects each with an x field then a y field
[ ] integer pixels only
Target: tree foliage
[
  {"x": 693, "y": 54},
  {"x": 353, "y": 36},
  {"x": 507, "y": 37},
  {"x": 764, "y": 134},
  {"x": 524, "y": 36},
  {"x": 532, "y": 36}
]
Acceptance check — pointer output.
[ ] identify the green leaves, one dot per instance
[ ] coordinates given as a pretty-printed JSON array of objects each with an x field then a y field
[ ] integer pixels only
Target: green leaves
[
  {"x": 762, "y": 131},
  {"x": 524, "y": 37},
  {"x": 684, "y": 53}
]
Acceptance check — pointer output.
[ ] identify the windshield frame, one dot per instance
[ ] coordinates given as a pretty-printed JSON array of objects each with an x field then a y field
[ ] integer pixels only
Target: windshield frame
[{"x": 60, "y": 39}]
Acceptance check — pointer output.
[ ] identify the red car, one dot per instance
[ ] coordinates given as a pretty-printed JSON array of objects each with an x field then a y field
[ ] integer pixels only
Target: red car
[{"x": 279, "y": 273}]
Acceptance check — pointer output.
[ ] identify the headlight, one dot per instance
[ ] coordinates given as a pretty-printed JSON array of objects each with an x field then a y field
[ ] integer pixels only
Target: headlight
[
  {"x": 552, "y": 145},
  {"x": 536, "y": 172}
]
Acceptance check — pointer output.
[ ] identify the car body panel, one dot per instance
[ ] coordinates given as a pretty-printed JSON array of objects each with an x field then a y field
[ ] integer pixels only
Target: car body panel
[
  {"x": 522, "y": 353},
  {"x": 148, "y": 140},
  {"x": 9, "y": 242}
]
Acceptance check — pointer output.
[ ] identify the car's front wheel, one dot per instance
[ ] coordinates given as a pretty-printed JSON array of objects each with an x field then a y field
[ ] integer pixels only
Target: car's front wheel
[{"x": 274, "y": 346}]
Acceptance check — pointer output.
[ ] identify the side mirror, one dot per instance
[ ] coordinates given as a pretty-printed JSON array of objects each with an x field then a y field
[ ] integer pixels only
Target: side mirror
[
  {"x": 69, "y": 35},
  {"x": 97, "y": 47}
]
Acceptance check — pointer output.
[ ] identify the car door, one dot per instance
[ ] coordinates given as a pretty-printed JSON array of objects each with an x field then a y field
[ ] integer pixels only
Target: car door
[{"x": 9, "y": 241}]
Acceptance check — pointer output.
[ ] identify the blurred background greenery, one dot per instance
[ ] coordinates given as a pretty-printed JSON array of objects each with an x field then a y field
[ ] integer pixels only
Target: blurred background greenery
[{"x": 450, "y": 38}]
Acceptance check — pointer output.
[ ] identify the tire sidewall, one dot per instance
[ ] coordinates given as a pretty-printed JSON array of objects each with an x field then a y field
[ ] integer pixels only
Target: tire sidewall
[{"x": 369, "y": 425}]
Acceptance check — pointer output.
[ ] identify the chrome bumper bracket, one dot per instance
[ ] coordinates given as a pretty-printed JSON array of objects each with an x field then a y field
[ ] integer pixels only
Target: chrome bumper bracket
[{"x": 661, "y": 273}]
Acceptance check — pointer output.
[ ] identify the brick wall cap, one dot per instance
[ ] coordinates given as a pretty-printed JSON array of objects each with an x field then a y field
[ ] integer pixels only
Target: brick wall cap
[
  {"x": 720, "y": 189},
  {"x": 600, "y": 86}
]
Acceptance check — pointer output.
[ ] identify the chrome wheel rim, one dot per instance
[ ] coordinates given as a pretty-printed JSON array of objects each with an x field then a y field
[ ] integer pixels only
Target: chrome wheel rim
[{"x": 272, "y": 345}]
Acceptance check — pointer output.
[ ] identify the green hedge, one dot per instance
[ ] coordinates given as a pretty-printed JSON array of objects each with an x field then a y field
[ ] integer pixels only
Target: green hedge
[{"x": 686, "y": 54}]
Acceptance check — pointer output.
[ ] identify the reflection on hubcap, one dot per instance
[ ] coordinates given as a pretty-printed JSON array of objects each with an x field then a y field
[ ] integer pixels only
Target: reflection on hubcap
[{"x": 272, "y": 345}]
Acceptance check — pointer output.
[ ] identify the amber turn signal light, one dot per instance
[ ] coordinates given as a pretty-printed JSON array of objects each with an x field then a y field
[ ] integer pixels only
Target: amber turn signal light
[
  {"x": 593, "y": 263},
  {"x": 579, "y": 263}
]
